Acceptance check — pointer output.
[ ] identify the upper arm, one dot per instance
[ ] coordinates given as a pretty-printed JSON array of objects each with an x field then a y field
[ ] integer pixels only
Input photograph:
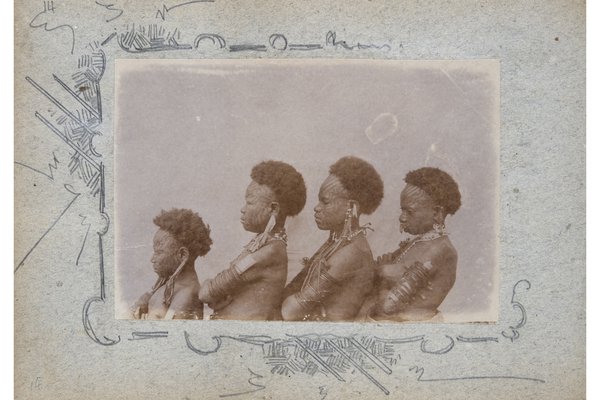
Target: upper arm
[
  {"x": 274, "y": 254},
  {"x": 444, "y": 258},
  {"x": 347, "y": 260},
  {"x": 390, "y": 271}
]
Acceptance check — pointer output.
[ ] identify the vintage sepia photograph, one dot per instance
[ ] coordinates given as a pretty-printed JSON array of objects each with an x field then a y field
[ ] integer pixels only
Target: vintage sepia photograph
[{"x": 307, "y": 190}]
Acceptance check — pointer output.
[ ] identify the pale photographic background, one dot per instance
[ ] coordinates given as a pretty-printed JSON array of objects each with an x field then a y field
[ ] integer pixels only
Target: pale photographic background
[{"x": 189, "y": 132}]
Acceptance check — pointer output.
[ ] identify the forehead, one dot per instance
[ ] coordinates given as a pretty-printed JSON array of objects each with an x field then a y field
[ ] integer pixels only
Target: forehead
[
  {"x": 332, "y": 187},
  {"x": 413, "y": 196},
  {"x": 256, "y": 190}
]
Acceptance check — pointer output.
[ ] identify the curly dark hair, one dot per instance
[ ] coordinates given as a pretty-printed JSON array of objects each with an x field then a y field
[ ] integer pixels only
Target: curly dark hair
[
  {"x": 187, "y": 228},
  {"x": 361, "y": 180},
  {"x": 438, "y": 185},
  {"x": 287, "y": 184}
]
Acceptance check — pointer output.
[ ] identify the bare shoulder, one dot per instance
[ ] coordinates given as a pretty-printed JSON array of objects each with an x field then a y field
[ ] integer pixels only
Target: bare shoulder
[
  {"x": 352, "y": 256},
  {"x": 185, "y": 297},
  {"x": 446, "y": 249},
  {"x": 188, "y": 283},
  {"x": 442, "y": 254},
  {"x": 435, "y": 249},
  {"x": 274, "y": 252}
]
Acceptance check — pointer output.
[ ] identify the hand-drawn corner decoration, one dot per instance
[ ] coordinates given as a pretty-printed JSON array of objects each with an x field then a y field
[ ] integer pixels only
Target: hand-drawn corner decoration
[
  {"x": 77, "y": 129},
  {"x": 514, "y": 329},
  {"x": 336, "y": 356},
  {"x": 151, "y": 39}
]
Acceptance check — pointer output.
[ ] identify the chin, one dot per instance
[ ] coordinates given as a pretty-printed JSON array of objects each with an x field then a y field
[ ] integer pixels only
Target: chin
[
  {"x": 407, "y": 234},
  {"x": 251, "y": 229},
  {"x": 321, "y": 226},
  {"x": 245, "y": 226}
]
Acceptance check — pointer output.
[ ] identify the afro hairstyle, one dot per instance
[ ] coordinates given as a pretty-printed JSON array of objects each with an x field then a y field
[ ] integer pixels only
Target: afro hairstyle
[
  {"x": 287, "y": 184},
  {"x": 438, "y": 185},
  {"x": 361, "y": 180},
  {"x": 187, "y": 228}
]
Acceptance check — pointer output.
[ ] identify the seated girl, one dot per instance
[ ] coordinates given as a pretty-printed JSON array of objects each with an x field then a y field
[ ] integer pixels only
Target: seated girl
[
  {"x": 412, "y": 281},
  {"x": 251, "y": 288}
]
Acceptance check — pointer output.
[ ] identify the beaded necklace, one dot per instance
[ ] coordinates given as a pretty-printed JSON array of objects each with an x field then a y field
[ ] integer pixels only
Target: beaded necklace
[
  {"x": 319, "y": 261},
  {"x": 260, "y": 240},
  {"x": 408, "y": 244}
]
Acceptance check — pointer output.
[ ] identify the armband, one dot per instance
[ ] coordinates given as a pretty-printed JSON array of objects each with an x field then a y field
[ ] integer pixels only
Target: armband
[
  {"x": 242, "y": 265},
  {"x": 225, "y": 282},
  {"x": 316, "y": 290},
  {"x": 402, "y": 294}
]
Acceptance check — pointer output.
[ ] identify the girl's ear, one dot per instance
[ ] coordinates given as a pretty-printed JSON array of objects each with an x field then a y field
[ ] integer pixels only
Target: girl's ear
[
  {"x": 439, "y": 215},
  {"x": 183, "y": 254},
  {"x": 275, "y": 208}
]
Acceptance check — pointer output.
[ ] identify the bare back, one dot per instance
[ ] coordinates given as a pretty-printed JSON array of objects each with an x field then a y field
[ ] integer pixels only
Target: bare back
[
  {"x": 352, "y": 267},
  {"x": 259, "y": 296}
]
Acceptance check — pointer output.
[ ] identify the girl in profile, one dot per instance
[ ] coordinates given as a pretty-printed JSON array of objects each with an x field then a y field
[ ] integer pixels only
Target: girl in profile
[
  {"x": 181, "y": 238},
  {"x": 251, "y": 288},
  {"x": 336, "y": 279},
  {"x": 412, "y": 281}
]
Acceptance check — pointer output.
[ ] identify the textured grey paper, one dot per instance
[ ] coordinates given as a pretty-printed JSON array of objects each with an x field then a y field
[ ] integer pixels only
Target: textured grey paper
[{"x": 68, "y": 343}]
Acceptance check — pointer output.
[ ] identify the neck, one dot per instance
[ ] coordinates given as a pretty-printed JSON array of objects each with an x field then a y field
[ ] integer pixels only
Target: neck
[
  {"x": 337, "y": 231},
  {"x": 279, "y": 225},
  {"x": 187, "y": 271},
  {"x": 406, "y": 237}
]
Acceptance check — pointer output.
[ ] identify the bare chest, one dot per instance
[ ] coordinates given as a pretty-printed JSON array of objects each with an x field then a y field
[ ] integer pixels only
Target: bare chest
[{"x": 156, "y": 308}]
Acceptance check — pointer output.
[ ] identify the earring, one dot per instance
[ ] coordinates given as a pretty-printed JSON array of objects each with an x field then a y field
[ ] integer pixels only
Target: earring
[
  {"x": 271, "y": 223},
  {"x": 347, "y": 229},
  {"x": 440, "y": 229},
  {"x": 170, "y": 284},
  {"x": 347, "y": 223},
  {"x": 261, "y": 239}
]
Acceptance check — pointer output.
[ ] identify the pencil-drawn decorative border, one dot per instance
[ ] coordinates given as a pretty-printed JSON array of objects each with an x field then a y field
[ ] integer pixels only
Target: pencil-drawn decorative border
[{"x": 318, "y": 353}]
